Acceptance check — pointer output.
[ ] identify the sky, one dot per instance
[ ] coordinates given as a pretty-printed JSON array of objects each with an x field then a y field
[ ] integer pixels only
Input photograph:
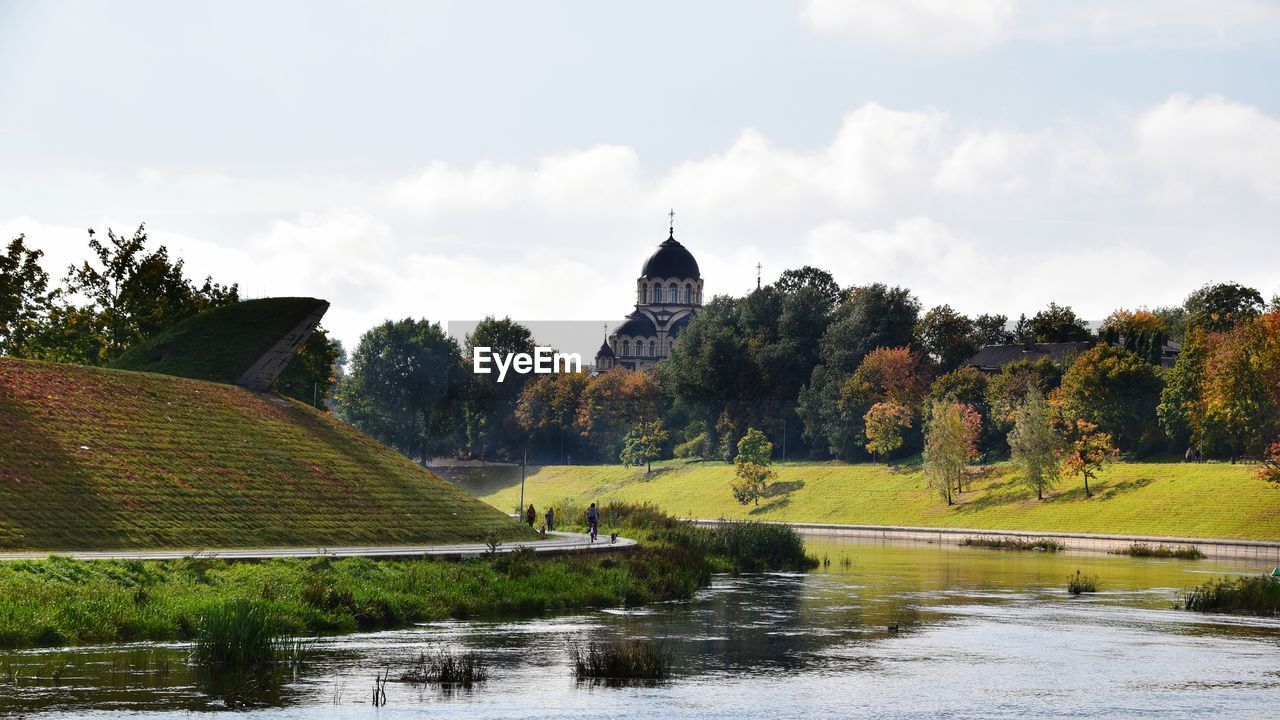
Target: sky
[{"x": 451, "y": 160}]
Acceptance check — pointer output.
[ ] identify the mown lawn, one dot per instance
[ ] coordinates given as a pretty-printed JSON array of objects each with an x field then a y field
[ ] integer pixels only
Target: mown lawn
[
  {"x": 1210, "y": 500},
  {"x": 97, "y": 458}
]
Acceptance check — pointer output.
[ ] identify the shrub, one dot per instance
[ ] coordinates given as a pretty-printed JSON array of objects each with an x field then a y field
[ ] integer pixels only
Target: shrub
[{"x": 696, "y": 447}]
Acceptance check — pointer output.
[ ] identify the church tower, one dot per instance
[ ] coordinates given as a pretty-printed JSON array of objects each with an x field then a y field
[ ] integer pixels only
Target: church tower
[{"x": 668, "y": 295}]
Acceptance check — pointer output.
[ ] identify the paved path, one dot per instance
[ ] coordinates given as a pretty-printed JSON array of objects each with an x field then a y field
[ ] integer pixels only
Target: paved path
[{"x": 557, "y": 543}]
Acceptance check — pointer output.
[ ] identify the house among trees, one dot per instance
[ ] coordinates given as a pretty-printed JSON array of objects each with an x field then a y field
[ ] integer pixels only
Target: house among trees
[{"x": 992, "y": 358}]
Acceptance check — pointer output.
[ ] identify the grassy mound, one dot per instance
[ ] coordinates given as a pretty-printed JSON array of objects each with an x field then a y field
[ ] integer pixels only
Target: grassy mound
[
  {"x": 96, "y": 458},
  {"x": 1202, "y": 500},
  {"x": 222, "y": 344}
]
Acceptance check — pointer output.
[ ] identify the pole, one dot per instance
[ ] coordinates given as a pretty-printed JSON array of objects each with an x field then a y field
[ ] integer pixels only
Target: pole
[
  {"x": 784, "y": 440},
  {"x": 523, "y": 464}
]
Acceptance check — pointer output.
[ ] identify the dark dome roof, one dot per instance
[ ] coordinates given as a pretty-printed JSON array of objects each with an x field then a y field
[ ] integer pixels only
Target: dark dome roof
[
  {"x": 679, "y": 325},
  {"x": 637, "y": 326},
  {"x": 605, "y": 350},
  {"x": 671, "y": 260}
]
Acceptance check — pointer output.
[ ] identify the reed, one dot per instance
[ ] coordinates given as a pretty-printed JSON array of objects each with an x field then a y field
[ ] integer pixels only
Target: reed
[
  {"x": 238, "y": 634},
  {"x": 446, "y": 667},
  {"x": 1013, "y": 543},
  {"x": 1162, "y": 551},
  {"x": 621, "y": 660},
  {"x": 1081, "y": 584},
  {"x": 1253, "y": 595}
]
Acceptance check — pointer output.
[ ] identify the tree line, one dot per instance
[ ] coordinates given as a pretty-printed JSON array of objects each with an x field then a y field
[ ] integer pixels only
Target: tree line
[{"x": 820, "y": 371}]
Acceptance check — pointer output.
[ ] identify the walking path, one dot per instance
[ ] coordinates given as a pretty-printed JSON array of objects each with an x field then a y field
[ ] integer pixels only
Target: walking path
[
  {"x": 1259, "y": 551},
  {"x": 557, "y": 543}
]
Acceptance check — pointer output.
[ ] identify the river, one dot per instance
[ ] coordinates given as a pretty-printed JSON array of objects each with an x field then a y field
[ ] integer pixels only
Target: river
[{"x": 979, "y": 634}]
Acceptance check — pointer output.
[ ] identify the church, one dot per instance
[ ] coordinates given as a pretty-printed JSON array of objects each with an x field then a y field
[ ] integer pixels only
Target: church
[{"x": 668, "y": 295}]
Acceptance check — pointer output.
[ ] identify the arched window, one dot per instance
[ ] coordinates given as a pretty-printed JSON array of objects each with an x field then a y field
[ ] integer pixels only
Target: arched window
[
  {"x": 653, "y": 349},
  {"x": 644, "y": 294},
  {"x": 688, "y": 294},
  {"x": 671, "y": 293},
  {"x": 626, "y": 347}
]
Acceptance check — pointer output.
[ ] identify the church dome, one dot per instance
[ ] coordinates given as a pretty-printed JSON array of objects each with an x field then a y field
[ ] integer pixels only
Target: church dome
[
  {"x": 671, "y": 260},
  {"x": 637, "y": 326}
]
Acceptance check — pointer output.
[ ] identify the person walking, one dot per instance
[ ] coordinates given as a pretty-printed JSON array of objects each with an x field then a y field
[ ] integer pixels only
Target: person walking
[
  {"x": 593, "y": 521},
  {"x": 551, "y": 519},
  {"x": 530, "y": 515}
]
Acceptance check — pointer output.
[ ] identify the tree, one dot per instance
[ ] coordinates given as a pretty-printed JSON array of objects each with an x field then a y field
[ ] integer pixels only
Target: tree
[
  {"x": 489, "y": 417},
  {"x": 947, "y": 337},
  {"x": 1141, "y": 332},
  {"x": 1086, "y": 450},
  {"x": 967, "y": 386},
  {"x": 548, "y": 408},
  {"x": 612, "y": 403},
  {"x": 896, "y": 375},
  {"x": 752, "y": 467},
  {"x": 1057, "y": 323},
  {"x": 405, "y": 387},
  {"x": 1115, "y": 390},
  {"x": 991, "y": 330},
  {"x": 872, "y": 316},
  {"x": 1240, "y": 389},
  {"x": 885, "y": 423},
  {"x": 1180, "y": 410},
  {"x": 791, "y": 282},
  {"x": 643, "y": 444},
  {"x": 1270, "y": 468},
  {"x": 1008, "y": 390},
  {"x": 1217, "y": 308},
  {"x": 312, "y": 373},
  {"x": 1034, "y": 445},
  {"x": 948, "y": 448},
  {"x": 132, "y": 294},
  {"x": 23, "y": 295}
]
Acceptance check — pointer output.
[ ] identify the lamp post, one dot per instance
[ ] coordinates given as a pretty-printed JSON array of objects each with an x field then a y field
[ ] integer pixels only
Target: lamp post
[{"x": 524, "y": 463}]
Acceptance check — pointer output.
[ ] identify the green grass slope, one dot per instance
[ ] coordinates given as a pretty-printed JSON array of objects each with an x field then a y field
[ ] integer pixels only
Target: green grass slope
[
  {"x": 1210, "y": 500},
  {"x": 222, "y": 344},
  {"x": 96, "y": 458}
]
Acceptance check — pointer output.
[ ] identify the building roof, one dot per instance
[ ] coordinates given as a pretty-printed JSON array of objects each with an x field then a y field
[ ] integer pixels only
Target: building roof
[
  {"x": 637, "y": 325},
  {"x": 671, "y": 260},
  {"x": 994, "y": 357},
  {"x": 605, "y": 350}
]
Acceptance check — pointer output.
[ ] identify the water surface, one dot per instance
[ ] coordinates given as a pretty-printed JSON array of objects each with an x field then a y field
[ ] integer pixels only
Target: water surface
[{"x": 979, "y": 634}]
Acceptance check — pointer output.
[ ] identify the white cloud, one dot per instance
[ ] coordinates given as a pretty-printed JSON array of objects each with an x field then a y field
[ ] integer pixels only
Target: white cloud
[
  {"x": 1199, "y": 145},
  {"x": 985, "y": 163},
  {"x": 932, "y": 25}
]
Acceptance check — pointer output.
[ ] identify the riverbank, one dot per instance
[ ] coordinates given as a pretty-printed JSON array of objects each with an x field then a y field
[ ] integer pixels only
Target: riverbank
[
  {"x": 63, "y": 601},
  {"x": 1191, "y": 500},
  {"x": 1259, "y": 553}
]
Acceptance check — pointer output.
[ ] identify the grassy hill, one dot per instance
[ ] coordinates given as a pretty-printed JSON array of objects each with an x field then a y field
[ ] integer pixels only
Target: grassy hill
[
  {"x": 1171, "y": 499},
  {"x": 97, "y": 458},
  {"x": 221, "y": 344}
]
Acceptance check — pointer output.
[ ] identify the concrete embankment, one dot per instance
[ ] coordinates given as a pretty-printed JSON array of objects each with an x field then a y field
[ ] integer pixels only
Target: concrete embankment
[{"x": 1250, "y": 551}]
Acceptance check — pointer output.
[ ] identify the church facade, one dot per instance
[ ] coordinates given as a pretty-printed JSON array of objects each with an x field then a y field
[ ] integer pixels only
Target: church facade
[{"x": 668, "y": 295}]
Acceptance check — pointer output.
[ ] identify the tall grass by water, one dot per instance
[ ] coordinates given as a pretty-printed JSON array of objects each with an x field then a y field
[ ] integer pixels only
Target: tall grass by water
[
  {"x": 621, "y": 660},
  {"x": 742, "y": 546},
  {"x": 1080, "y": 584},
  {"x": 1253, "y": 595},
  {"x": 240, "y": 634},
  {"x": 1014, "y": 543},
  {"x": 1181, "y": 552},
  {"x": 446, "y": 667}
]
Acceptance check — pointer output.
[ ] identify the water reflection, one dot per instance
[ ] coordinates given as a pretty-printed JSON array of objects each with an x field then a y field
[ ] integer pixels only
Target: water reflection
[{"x": 898, "y": 631}]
